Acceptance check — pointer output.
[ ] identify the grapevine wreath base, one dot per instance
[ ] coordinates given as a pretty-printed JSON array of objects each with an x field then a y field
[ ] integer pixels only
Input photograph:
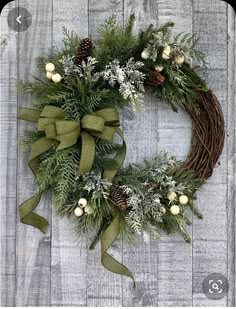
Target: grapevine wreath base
[{"x": 73, "y": 152}]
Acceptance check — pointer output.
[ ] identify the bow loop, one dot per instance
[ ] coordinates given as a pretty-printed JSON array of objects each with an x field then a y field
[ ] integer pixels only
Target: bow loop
[
  {"x": 107, "y": 133},
  {"x": 51, "y": 120},
  {"x": 44, "y": 122},
  {"x": 50, "y": 111},
  {"x": 50, "y": 130},
  {"x": 69, "y": 139},
  {"x": 66, "y": 126},
  {"x": 63, "y": 133},
  {"x": 93, "y": 123},
  {"x": 110, "y": 115}
]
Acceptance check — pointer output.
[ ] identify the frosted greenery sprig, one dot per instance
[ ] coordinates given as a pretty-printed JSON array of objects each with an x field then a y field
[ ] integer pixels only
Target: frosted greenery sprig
[
  {"x": 152, "y": 188},
  {"x": 129, "y": 79},
  {"x": 96, "y": 186},
  {"x": 68, "y": 63},
  {"x": 160, "y": 38},
  {"x": 162, "y": 45},
  {"x": 115, "y": 71}
]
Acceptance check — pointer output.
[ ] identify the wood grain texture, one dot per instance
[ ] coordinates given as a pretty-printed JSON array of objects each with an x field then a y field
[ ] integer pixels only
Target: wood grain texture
[
  {"x": 54, "y": 270},
  {"x": 231, "y": 159},
  {"x": 210, "y": 234},
  {"x": 104, "y": 290},
  {"x": 143, "y": 259},
  {"x": 69, "y": 261},
  {"x": 8, "y": 170},
  {"x": 174, "y": 254},
  {"x": 32, "y": 247},
  {"x": 161, "y": 129}
]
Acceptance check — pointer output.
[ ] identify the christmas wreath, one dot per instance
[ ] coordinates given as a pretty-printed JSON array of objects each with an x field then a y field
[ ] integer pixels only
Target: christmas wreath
[{"x": 76, "y": 113}]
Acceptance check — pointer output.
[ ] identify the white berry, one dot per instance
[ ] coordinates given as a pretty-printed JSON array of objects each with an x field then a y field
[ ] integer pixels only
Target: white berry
[
  {"x": 179, "y": 59},
  {"x": 88, "y": 210},
  {"x": 172, "y": 196},
  {"x": 183, "y": 199},
  {"x": 82, "y": 202},
  {"x": 49, "y": 75},
  {"x": 50, "y": 67},
  {"x": 56, "y": 78},
  {"x": 157, "y": 200},
  {"x": 159, "y": 68},
  {"x": 166, "y": 55},
  {"x": 78, "y": 212},
  {"x": 167, "y": 48},
  {"x": 175, "y": 210},
  {"x": 163, "y": 210},
  {"x": 145, "y": 54}
]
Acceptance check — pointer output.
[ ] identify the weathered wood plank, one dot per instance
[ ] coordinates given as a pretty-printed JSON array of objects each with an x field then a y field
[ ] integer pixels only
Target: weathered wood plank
[
  {"x": 99, "y": 11},
  {"x": 104, "y": 288},
  {"x": 210, "y": 6},
  {"x": 143, "y": 259},
  {"x": 33, "y": 248},
  {"x": 68, "y": 261},
  {"x": 158, "y": 277},
  {"x": 57, "y": 272},
  {"x": 174, "y": 254},
  {"x": 210, "y": 234},
  {"x": 231, "y": 157},
  {"x": 8, "y": 171}
]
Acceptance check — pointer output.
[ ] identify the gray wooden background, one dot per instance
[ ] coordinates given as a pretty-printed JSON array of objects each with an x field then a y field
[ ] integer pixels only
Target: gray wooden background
[{"x": 51, "y": 269}]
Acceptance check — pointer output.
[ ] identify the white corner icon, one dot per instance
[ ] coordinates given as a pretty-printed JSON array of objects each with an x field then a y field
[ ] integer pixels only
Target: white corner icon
[{"x": 18, "y": 19}]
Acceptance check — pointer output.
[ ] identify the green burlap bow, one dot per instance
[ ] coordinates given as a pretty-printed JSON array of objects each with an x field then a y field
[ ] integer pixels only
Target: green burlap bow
[
  {"x": 63, "y": 133},
  {"x": 51, "y": 120}
]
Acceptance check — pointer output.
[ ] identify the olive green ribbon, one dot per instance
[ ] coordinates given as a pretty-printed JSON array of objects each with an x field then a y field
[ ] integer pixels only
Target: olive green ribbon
[
  {"x": 107, "y": 239},
  {"x": 51, "y": 120},
  {"x": 63, "y": 133},
  {"x": 113, "y": 230}
]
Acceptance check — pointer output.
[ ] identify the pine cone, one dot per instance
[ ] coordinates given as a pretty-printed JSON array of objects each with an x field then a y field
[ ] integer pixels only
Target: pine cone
[
  {"x": 85, "y": 50},
  {"x": 155, "y": 79},
  {"x": 118, "y": 197}
]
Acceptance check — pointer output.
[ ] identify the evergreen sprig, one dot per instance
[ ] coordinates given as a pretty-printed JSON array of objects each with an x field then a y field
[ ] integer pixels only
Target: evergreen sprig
[
  {"x": 147, "y": 186},
  {"x": 114, "y": 75},
  {"x": 71, "y": 42},
  {"x": 186, "y": 44},
  {"x": 58, "y": 171},
  {"x": 116, "y": 42}
]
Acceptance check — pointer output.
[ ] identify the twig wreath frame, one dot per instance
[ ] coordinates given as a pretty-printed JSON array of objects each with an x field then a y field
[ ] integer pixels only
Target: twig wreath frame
[{"x": 73, "y": 152}]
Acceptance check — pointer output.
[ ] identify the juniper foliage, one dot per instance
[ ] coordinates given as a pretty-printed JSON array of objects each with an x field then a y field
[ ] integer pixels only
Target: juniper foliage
[
  {"x": 116, "y": 42},
  {"x": 112, "y": 77},
  {"x": 147, "y": 186},
  {"x": 129, "y": 80}
]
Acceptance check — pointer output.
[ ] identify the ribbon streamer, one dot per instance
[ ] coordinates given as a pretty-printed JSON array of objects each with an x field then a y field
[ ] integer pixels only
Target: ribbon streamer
[
  {"x": 108, "y": 238},
  {"x": 27, "y": 216},
  {"x": 63, "y": 133},
  {"x": 113, "y": 230}
]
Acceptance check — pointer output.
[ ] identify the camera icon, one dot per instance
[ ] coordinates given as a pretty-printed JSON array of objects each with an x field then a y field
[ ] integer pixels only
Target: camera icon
[{"x": 215, "y": 286}]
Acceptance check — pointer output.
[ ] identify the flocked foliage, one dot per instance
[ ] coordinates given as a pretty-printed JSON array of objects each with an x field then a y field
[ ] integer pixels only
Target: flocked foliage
[
  {"x": 147, "y": 186},
  {"x": 114, "y": 76},
  {"x": 129, "y": 80}
]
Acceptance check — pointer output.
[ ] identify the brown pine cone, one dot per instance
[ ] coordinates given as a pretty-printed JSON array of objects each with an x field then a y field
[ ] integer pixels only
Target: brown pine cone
[
  {"x": 118, "y": 197},
  {"x": 155, "y": 78},
  {"x": 85, "y": 50}
]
